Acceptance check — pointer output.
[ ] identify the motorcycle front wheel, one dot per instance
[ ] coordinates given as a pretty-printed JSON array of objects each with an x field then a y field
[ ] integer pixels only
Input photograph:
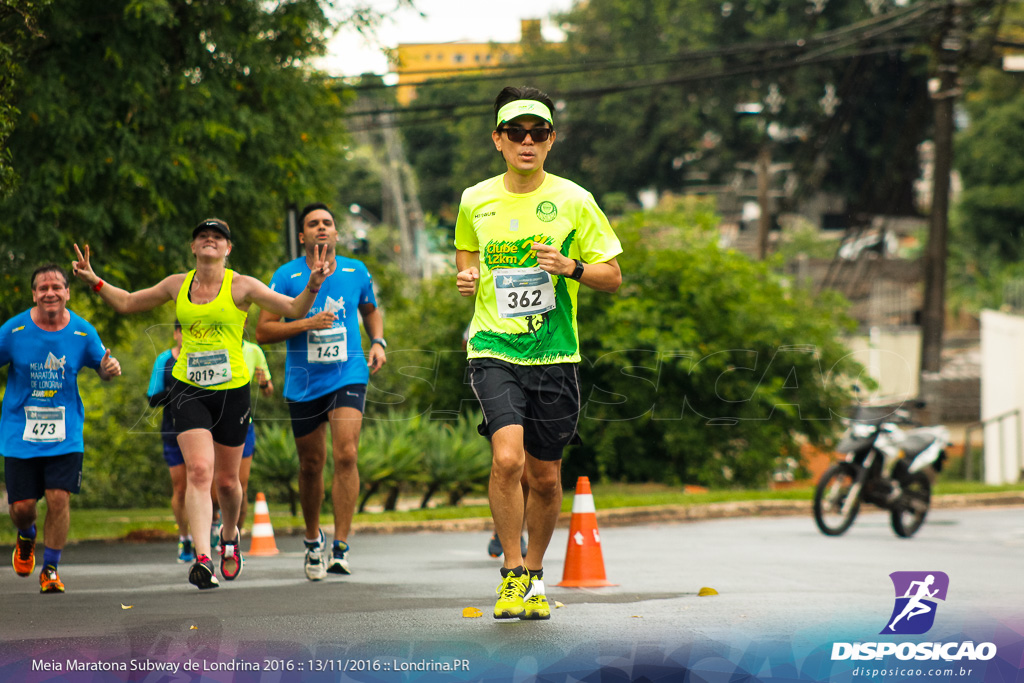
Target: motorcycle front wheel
[
  {"x": 911, "y": 508},
  {"x": 832, "y": 513}
]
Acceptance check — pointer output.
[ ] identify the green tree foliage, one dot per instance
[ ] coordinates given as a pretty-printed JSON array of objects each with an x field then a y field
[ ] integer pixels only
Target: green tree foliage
[
  {"x": 123, "y": 464},
  {"x": 991, "y": 206},
  {"x": 986, "y": 235},
  {"x": 704, "y": 368},
  {"x": 141, "y": 117},
  {"x": 426, "y": 361},
  {"x": 666, "y": 114},
  {"x": 450, "y": 158},
  {"x": 17, "y": 30}
]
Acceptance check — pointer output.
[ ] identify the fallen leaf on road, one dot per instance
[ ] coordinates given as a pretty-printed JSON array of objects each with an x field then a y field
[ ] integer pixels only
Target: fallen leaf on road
[
  {"x": 124, "y": 606},
  {"x": 706, "y": 591},
  {"x": 472, "y": 613},
  {"x": 558, "y": 604},
  {"x": 193, "y": 627}
]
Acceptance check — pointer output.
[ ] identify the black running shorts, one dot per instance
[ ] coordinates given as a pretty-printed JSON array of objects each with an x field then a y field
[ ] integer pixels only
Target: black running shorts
[
  {"x": 308, "y": 415},
  {"x": 543, "y": 399},
  {"x": 28, "y": 478},
  {"x": 224, "y": 412}
]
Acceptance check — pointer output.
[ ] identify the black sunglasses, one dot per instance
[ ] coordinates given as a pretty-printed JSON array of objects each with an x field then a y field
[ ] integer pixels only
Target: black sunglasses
[{"x": 517, "y": 134}]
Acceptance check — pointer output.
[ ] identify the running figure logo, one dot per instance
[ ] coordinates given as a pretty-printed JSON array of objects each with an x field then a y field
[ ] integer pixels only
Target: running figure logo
[
  {"x": 916, "y": 593},
  {"x": 54, "y": 363},
  {"x": 336, "y": 306}
]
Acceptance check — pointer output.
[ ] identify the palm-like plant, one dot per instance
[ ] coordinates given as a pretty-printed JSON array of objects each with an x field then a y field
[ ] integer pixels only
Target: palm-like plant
[
  {"x": 390, "y": 456},
  {"x": 276, "y": 469},
  {"x": 457, "y": 460}
]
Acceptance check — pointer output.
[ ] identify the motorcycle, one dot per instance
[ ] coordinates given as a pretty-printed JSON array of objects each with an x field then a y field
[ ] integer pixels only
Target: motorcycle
[{"x": 885, "y": 465}]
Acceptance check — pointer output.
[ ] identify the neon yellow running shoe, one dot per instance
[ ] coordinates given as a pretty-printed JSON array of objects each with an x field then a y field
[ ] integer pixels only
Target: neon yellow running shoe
[
  {"x": 510, "y": 593},
  {"x": 535, "y": 602}
]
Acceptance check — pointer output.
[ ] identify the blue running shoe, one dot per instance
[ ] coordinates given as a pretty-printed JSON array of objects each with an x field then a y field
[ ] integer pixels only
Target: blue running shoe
[
  {"x": 494, "y": 548},
  {"x": 339, "y": 563},
  {"x": 186, "y": 553}
]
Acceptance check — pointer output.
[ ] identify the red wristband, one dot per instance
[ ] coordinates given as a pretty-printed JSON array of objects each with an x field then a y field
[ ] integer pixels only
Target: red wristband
[{"x": 98, "y": 286}]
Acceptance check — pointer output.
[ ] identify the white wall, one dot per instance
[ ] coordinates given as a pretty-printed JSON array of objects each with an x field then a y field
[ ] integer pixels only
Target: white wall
[
  {"x": 1002, "y": 390},
  {"x": 892, "y": 357}
]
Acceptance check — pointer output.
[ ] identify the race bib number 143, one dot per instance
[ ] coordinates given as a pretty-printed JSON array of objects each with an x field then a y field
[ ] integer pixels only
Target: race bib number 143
[{"x": 327, "y": 346}]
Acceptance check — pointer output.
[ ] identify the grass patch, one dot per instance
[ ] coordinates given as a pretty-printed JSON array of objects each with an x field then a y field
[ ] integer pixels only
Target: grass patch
[{"x": 98, "y": 524}]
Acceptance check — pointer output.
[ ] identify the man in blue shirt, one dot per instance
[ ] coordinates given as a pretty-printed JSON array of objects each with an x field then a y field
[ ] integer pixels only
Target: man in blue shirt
[
  {"x": 325, "y": 380},
  {"x": 41, "y": 424}
]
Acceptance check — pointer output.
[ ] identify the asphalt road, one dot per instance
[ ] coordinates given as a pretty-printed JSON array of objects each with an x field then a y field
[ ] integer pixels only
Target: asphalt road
[{"x": 778, "y": 581}]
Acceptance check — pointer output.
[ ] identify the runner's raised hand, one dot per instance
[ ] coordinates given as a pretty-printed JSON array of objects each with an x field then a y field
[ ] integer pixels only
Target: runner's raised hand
[{"x": 82, "y": 268}]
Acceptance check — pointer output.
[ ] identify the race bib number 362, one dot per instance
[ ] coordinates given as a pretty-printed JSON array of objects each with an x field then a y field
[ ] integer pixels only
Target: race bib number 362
[
  {"x": 44, "y": 425},
  {"x": 523, "y": 291}
]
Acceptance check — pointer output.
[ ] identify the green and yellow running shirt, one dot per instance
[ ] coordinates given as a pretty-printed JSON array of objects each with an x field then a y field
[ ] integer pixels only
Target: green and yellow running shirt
[
  {"x": 211, "y": 339},
  {"x": 524, "y": 315}
]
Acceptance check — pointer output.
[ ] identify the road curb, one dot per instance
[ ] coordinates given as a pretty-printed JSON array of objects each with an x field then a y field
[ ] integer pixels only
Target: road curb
[
  {"x": 656, "y": 514},
  {"x": 615, "y": 517}
]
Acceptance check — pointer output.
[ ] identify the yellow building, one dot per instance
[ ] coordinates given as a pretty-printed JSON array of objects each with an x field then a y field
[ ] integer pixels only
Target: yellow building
[{"x": 419, "y": 62}]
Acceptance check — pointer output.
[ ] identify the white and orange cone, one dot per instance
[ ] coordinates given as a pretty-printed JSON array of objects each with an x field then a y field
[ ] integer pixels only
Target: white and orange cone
[
  {"x": 584, "y": 563},
  {"x": 262, "y": 531}
]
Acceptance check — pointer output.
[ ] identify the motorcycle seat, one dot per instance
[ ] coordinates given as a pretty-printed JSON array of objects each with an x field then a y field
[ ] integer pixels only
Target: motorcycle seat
[{"x": 913, "y": 444}]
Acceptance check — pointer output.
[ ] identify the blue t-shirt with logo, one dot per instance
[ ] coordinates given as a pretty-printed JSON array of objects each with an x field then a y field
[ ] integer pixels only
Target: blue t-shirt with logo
[
  {"x": 43, "y": 413},
  {"x": 309, "y": 370}
]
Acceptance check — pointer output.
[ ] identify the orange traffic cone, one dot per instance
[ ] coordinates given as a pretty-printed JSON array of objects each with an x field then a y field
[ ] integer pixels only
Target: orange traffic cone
[
  {"x": 584, "y": 564},
  {"x": 262, "y": 532}
]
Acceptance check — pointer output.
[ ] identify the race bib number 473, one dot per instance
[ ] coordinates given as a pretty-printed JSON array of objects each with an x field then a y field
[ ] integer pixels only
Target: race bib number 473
[
  {"x": 523, "y": 291},
  {"x": 44, "y": 425}
]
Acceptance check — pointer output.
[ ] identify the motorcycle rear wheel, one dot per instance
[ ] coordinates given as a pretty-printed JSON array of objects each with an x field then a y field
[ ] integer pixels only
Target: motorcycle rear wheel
[
  {"x": 830, "y": 497},
  {"x": 909, "y": 511}
]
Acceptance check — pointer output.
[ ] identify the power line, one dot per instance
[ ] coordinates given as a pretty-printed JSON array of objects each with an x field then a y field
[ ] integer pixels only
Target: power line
[
  {"x": 465, "y": 109},
  {"x": 872, "y": 27},
  {"x": 836, "y": 45}
]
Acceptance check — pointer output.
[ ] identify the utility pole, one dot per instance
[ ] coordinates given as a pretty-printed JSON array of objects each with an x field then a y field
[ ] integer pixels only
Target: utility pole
[
  {"x": 764, "y": 221},
  {"x": 764, "y": 171},
  {"x": 395, "y": 188},
  {"x": 948, "y": 47},
  {"x": 957, "y": 44},
  {"x": 399, "y": 195}
]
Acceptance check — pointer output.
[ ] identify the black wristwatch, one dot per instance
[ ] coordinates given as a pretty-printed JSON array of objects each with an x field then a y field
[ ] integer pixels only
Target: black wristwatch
[
  {"x": 379, "y": 340},
  {"x": 578, "y": 273}
]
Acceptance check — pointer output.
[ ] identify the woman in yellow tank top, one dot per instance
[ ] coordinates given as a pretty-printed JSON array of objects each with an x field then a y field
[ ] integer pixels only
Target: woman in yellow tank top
[{"x": 211, "y": 388}]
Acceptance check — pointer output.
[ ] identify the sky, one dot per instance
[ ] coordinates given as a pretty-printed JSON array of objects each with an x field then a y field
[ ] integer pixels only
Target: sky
[{"x": 445, "y": 21}]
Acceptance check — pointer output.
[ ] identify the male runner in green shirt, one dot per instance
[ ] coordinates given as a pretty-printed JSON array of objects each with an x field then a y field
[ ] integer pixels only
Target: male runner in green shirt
[{"x": 526, "y": 240}]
